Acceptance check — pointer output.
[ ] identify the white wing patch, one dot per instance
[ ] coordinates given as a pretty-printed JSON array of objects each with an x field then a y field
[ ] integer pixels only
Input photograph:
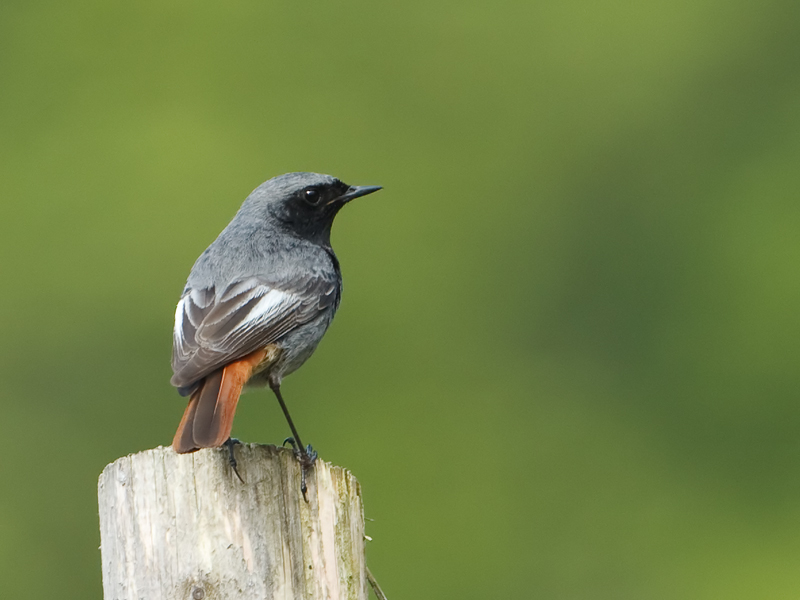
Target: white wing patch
[
  {"x": 178, "y": 333},
  {"x": 271, "y": 303}
]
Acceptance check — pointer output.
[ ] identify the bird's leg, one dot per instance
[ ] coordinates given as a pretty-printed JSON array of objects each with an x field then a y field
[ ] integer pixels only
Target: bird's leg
[
  {"x": 229, "y": 444},
  {"x": 305, "y": 455}
]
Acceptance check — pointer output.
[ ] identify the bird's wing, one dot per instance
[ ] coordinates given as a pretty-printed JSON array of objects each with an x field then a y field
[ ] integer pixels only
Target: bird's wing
[{"x": 216, "y": 326}]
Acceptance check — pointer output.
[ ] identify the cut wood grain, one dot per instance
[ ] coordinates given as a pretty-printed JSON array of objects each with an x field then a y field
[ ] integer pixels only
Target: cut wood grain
[{"x": 184, "y": 527}]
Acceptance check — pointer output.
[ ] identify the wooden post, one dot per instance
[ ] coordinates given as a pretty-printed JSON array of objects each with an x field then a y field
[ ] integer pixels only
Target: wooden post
[{"x": 183, "y": 527}]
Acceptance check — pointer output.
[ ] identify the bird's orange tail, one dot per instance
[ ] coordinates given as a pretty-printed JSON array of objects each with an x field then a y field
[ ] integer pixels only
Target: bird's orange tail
[{"x": 208, "y": 419}]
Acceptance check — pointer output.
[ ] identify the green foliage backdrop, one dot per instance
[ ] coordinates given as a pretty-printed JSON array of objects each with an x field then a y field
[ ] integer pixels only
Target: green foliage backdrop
[{"x": 565, "y": 365}]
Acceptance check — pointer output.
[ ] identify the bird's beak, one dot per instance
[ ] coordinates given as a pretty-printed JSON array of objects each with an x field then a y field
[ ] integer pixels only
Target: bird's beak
[{"x": 356, "y": 191}]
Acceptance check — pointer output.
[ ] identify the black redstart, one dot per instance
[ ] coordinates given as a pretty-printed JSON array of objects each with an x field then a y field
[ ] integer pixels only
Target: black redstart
[{"x": 257, "y": 303}]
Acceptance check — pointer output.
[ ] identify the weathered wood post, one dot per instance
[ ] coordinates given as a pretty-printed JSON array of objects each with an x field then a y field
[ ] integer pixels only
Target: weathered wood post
[{"x": 183, "y": 527}]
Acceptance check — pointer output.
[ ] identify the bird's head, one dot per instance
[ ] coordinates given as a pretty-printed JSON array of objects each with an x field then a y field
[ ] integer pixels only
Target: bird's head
[{"x": 303, "y": 204}]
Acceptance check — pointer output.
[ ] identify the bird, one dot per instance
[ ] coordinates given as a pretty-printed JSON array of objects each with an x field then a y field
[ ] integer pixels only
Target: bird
[{"x": 256, "y": 304}]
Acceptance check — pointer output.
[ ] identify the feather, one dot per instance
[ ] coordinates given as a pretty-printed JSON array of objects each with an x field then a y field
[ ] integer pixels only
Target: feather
[
  {"x": 208, "y": 418},
  {"x": 214, "y": 327}
]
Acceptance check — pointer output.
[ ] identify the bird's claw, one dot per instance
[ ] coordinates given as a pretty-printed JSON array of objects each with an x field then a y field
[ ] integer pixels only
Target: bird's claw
[
  {"x": 306, "y": 457},
  {"x": 229, "y": 444}
]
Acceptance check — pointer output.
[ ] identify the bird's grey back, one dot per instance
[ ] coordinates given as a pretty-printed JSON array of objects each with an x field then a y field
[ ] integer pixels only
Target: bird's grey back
[{"x": 254, "y": 243}]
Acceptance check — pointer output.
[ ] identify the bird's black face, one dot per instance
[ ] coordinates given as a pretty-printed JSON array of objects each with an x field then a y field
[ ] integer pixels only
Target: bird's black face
[
  {"x": 309, "y": 210},
  {"x": 320, "y": 198}
]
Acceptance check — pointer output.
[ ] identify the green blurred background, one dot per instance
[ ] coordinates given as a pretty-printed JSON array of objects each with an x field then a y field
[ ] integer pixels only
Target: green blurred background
[{"x": 565, "y": 365}]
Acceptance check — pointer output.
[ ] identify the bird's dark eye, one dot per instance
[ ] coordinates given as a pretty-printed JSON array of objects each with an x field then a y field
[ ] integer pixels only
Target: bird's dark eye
[{"x": 312, "y": 196}]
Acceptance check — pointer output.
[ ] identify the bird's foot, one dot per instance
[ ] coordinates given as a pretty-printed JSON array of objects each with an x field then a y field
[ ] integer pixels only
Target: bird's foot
[
  {"x": 229, "y": 444},
  {"x": 306, "y": 457}
]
